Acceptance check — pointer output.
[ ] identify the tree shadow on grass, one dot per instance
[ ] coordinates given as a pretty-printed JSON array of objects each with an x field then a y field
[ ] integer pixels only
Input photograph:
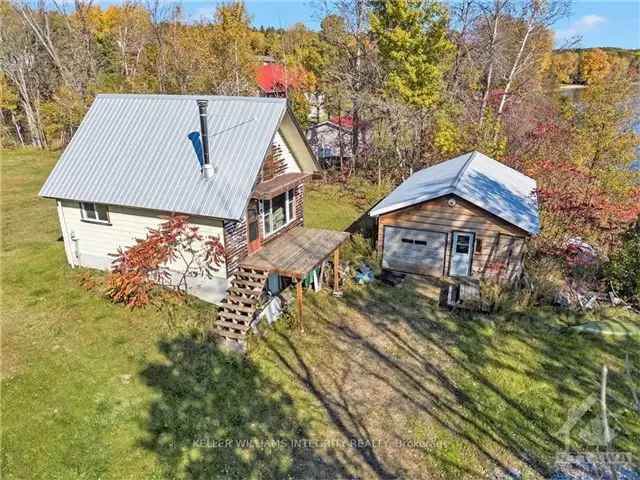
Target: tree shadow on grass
[
  {"x": 217, "y": 416},
  {"x": 503, "y": 388},
  {"x": 494, "y": 369}
]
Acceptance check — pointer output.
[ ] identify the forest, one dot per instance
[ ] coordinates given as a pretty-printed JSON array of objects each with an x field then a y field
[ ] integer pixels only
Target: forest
[{"x": 420, "y": 80}]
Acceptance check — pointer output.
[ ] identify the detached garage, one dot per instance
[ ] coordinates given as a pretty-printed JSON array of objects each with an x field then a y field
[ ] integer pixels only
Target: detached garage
[{"x": 469, "y": 216}]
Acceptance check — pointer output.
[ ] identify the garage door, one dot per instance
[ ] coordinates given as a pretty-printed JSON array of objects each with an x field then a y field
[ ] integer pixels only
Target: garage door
[{"x": 414, "y": 251}]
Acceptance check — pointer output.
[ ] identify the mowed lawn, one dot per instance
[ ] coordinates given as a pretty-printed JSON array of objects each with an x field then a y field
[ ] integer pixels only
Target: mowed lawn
[{"x": 382, "y": 383}]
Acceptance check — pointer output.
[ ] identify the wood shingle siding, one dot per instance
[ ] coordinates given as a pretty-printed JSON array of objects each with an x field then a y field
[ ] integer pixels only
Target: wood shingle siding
[
  {"x": 235, "y": 237},
  {"x": 274, "y": 164},
  {"x": 502, "y": 244}
]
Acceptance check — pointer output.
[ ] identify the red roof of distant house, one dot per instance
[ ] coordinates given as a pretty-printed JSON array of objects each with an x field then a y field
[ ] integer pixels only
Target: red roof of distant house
[
  {"x": 273, "y": 77},
  {"x": 346, "y": 122}
]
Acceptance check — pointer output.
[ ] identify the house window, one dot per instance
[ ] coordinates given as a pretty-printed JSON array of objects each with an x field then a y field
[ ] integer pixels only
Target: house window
[
  {"x": 278, "y": 212},
  {"x": 462, "y": 244},
  {"x": 291, "y": 211},
  {"x": 94, "y": 212}
]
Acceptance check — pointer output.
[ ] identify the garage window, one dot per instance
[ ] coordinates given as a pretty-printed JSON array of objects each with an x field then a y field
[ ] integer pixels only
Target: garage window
[{"x": 411, "y": 241}]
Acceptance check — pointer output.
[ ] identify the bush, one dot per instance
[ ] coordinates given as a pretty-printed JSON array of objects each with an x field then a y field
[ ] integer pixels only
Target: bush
[
  {"x": 505, "y": 298},
  {"x": 546, "y": 277},
  {"x": 623, "y": 268},
  {"x": 358, "y": 250}
]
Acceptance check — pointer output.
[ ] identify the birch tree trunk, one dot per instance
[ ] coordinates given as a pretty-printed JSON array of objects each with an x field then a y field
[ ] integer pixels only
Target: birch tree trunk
[
  {"x": 498, "y": 5},
  {"x": 515, "y": 66}
]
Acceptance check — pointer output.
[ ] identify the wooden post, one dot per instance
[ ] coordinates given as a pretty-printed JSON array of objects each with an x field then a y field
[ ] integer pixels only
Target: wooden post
[
  {"x": 299, "y": 302},
  {"x": 336, "y": 268}
]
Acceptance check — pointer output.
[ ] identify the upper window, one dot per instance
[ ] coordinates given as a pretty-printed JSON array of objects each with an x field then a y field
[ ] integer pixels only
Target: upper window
[
  {"x": 94, "y": 212},
  {"x": 278, "y": 212}
]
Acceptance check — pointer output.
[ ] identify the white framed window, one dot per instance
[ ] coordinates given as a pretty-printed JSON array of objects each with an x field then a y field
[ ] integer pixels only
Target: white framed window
[
  {"x": 278, "y": 212},
  {"x": 291, "y": 208},
  {"x": 94, "y": 212}
]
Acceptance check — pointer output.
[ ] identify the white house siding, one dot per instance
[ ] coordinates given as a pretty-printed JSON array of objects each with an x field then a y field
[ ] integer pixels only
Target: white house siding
[
  {"x": 292, "y": 164},
  {"x": 89, "y": 244}
]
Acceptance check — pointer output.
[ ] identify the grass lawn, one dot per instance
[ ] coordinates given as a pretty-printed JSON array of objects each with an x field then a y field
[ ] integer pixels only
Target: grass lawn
[{"x": 382, "y": 383}]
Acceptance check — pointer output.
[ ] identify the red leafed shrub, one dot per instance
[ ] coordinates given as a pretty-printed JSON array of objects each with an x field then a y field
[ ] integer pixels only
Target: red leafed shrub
[
  {"x": 575, "y": 198},
  {"x": 168, "y": 256}
]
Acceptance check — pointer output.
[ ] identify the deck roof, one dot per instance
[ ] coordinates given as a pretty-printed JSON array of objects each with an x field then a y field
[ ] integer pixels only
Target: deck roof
[
  {"x": 296, "y": 252},
  {"x": 278, "y": 185}
]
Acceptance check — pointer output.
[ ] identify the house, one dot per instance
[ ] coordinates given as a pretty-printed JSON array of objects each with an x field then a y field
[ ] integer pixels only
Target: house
[
  {"x": 466, "y": 217},
  {"x": 236, "y": 166},
  {"x": 275, "y": 79},
  {"x": 330, "y": 142}
]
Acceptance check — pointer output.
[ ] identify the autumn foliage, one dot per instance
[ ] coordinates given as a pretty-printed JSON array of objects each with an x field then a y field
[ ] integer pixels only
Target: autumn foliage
[
  {"x": 575, "y": 200},
  {"x": 167, "y": 257}
]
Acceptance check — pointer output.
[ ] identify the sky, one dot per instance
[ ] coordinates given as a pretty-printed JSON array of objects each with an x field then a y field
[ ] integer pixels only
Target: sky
[{"x": 591, "y": 23}]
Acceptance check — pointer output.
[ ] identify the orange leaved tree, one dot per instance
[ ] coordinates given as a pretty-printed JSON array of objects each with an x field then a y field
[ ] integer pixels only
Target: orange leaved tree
[{"x": 168, "y": 256}]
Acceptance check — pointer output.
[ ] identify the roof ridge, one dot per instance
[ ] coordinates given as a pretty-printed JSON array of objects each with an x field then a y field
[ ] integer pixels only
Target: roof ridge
[
  {"x": 191, "y": 96},
  {"x": 454, "y": 184}
]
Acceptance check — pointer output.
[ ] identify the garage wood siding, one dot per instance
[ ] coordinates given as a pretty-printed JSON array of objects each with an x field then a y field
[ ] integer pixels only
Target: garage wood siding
[
  {"x": 437, "y": 216},
  {"x": 96, "y": 241}
]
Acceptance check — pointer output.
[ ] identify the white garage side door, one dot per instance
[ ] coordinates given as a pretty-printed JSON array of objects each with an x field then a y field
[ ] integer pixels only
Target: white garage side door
[{"x": 413, "y": 250}]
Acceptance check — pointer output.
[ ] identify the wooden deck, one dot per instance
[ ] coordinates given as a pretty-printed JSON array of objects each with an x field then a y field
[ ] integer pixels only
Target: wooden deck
[{"x": 295, "y": 253}]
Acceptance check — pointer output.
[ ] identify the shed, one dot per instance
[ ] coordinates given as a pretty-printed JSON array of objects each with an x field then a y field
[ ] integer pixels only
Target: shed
[{"x": 467, "y": 217}]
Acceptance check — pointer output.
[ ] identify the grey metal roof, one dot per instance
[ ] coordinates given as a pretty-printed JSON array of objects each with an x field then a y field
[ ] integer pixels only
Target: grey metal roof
[
  {"x": 486, "y": 183},
  {"x": 144, "y": 151}
]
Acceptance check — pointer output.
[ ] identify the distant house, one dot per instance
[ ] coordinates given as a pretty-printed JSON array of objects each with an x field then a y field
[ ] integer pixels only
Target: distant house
[
  {"x": 466, "y": 217},
  {"x": 236, "y": 166},
  {"x": 276, "y": 80},
  {"x": 330, "y": 141}
]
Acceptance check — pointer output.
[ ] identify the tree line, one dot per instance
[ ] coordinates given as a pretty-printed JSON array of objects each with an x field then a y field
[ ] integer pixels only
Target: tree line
[
  {"x": 588, "y": 66},
  {"x": 421, "y": 81}
]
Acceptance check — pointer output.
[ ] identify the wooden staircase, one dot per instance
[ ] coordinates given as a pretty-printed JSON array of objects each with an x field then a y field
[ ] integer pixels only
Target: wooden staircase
[{"x": 239, "y": 307}]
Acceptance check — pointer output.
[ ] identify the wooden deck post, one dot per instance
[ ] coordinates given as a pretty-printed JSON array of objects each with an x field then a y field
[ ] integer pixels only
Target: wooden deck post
[
  {"x": 299, "y": 302},
  {"x": 336, "y": 268}
]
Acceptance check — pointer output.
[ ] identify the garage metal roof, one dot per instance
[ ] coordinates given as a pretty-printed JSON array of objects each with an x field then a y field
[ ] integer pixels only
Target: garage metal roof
[
  {"x": 145, "y": 151},
  {"x": 486, "y": 183}
]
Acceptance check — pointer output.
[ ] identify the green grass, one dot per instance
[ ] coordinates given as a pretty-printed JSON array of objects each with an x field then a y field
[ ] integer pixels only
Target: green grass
[{"x": 381, "y": 383}]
